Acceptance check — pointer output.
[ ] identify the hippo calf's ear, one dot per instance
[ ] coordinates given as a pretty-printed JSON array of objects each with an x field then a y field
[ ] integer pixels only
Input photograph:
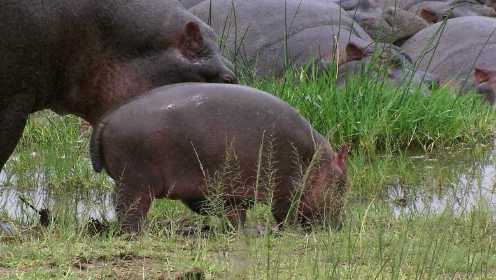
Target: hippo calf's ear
[
  {"x": 428, "y": 15},
  {"x": 190, "y": 40},
  {"x": 355, "y": 52},
  {"x": 342, "y": 156}
]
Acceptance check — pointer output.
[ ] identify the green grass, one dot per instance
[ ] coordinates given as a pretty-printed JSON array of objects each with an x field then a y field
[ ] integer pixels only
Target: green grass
[
  {"x": 375, "y": 116},
  {"x": 384, "y": 124},
  {"x": 372, "y": 245}
]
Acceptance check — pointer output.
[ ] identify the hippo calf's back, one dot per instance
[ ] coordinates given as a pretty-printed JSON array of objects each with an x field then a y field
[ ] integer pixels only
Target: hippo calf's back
[{"x": 203, "y": 115}]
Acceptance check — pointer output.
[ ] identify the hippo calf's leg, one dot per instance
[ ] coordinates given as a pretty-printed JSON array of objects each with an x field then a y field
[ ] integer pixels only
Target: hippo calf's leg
[
  {"x": 132, "y": 202},
  {"x": 236, "y": 216},
  {"x": 199, "y": 206},
  {"x": 13, "y": 116},
  {"x": 280, "y": 211},
  {"x": 233, "y": 212}
]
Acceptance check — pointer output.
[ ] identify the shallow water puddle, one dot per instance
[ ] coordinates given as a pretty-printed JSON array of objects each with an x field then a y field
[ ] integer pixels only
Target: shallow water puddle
[
  {"x": 94, "y": 204},
  {"x": 460, "y": 183}
]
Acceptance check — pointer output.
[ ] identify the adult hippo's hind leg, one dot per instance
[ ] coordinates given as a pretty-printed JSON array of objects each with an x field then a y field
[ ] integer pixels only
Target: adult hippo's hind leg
[
  {"x": 14, "y": 113},
  {"x": 132, "y": 202}
]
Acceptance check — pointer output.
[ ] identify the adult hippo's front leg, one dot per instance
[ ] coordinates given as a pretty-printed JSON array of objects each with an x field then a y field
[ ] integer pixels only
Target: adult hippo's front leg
[{"x": 14, "y": 113}]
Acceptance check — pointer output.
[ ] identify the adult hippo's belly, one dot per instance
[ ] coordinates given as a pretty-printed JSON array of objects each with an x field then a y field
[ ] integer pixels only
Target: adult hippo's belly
[
  {"x": 269, "y": 35},
  {"x": 465, "y": 52}
]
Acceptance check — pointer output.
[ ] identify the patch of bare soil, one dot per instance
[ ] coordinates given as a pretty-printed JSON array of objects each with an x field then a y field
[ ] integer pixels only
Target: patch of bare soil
[
  {"x": 130, "y": 266},
  {"x": 122, "y": 266}
]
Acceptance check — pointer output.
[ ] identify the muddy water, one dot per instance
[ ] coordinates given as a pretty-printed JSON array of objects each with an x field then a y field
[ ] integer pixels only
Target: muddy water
[
  {"x": 460, "y": 181},
  {"x": 81, "y": 206}
]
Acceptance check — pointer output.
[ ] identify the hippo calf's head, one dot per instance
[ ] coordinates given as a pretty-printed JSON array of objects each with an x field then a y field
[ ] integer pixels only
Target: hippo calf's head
[
  {"x": 325, "y": 201},
  {"x": 388, "y": 59},
  {"x": 486, "y": 84},
  {"x": 192, "y": 58}
]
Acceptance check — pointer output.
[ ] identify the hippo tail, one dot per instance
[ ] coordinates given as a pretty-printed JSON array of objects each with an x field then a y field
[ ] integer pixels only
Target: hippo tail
[{"x": 96, "y": 152}]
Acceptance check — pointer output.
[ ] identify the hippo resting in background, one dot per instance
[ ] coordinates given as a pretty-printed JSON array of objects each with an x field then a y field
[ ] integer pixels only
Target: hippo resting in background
[
  {"x": 84, "y": 57},
  {"x": 255, "y": 34},
  {"x": 390, "y": 60},
  {"x": 436, "y": 11},
  {"x": 189, "y": 141},
  {"x": 431, "y": 11},
  {"x": 466, "y": 53},
  {"x": 392, "y": 25},
  {"x": 461, "y": 7},
  {"x": 268, "y": 35}
]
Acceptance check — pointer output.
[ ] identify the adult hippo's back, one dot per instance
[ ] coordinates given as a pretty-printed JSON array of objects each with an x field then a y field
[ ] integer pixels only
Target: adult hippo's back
[
  {"x": 466, "y": 49},
  {"x": 268, "y": 34},
  {"x": 86, "y": 56}
]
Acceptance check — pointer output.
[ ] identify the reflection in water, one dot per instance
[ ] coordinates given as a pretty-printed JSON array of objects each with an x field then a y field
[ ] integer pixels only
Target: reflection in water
[
  {"x": 461, "y": 183},
  {"x": 93, "y": 204}
]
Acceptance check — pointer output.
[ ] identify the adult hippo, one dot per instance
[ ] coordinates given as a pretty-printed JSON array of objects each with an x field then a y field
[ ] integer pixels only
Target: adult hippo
[
  {"x": 436, "y": 11},
  {"x": 431, "y": 10},
  {"x": 464, "y": 52},
  {"x": 389, "y": 62},
  {"x": 271, "y": 35},
  {"x": 391, "y": 25},
  {"x": 86, "y": 56}
]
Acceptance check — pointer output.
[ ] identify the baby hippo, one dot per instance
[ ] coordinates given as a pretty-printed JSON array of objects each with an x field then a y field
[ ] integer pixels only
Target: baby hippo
[{"x": 196, "y": 141}]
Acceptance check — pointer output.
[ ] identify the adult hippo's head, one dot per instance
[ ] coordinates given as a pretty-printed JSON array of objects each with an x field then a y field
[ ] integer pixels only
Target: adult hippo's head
[
  {"x": 385, "y": 60},
  {"x": 192, "y": 57}
]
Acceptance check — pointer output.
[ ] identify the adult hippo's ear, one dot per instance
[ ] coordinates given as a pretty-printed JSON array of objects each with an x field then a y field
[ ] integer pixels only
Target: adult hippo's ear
[
  {"x": 428, "y": 15},
  {"x": 482, "y": 75},
  {"x": 190, "y": 41},
  {"x": 355, "y": 52}
]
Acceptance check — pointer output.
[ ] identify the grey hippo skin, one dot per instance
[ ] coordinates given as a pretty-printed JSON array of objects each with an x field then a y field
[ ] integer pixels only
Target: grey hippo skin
[
  {"x": 259, "y": 37},
  {"x": 262, "y": 34},
  {"x": 172, "y": 141},
  {"x": 189, "y": 3},
  {"x": 466, "y": 51},
  {"x": 391, "y": 25},
  {"x": 86, "y": 56},
  {"x": 390, "y": 60},
  {"x": 436, "y": 11}
]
